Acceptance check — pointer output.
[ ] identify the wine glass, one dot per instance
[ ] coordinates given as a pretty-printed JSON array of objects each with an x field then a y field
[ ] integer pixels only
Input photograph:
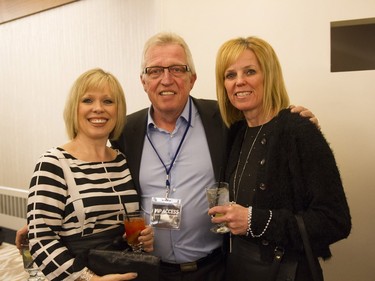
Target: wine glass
[
  {"x": 134, "y": 224},
  {"x": 29, "y": 264},
  {"x": 218, "y": 195}
]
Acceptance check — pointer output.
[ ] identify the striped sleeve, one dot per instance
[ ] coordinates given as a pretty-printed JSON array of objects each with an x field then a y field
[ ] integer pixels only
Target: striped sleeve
[{"x": 104, "y": 190}]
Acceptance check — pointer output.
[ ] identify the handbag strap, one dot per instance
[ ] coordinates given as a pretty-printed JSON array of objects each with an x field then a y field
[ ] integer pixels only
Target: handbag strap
[
  {"x": 72, "y": 188},
  {"x": 277, "y": 258},
  {"x": 306, "y": 244}
]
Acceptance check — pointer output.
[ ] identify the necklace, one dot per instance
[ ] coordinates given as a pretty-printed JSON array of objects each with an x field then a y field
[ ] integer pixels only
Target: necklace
[{"x": 236, "y": 190}]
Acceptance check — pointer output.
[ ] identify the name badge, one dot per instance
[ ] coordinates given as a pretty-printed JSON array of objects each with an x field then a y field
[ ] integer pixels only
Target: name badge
[{"x": 165, "y": 213}]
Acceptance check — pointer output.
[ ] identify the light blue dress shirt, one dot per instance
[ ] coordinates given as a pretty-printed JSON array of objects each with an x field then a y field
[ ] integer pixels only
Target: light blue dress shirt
[{"x": 190, "y": 174}]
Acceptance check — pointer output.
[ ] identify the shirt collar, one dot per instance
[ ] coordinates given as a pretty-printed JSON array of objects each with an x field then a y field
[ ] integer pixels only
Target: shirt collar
[{"x": 184, "y": 115}]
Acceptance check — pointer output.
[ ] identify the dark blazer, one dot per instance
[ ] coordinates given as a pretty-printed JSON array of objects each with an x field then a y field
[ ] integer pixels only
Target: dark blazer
[{"x": 132, "y": 139}]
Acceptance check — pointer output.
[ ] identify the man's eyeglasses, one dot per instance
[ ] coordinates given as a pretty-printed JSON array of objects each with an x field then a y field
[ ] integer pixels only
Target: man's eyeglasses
[{"x": 175, "y": 70}]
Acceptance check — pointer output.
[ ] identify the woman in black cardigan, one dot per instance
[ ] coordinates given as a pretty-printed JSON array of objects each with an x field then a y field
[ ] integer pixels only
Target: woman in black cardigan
[{"x": 279, "y": 164}]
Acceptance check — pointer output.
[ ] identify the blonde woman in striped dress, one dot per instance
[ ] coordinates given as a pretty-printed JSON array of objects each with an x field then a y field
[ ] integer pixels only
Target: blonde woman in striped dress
[{"x": 80, "y": 190}]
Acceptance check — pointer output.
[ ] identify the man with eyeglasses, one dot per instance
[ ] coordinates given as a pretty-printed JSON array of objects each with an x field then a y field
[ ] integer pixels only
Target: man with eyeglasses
[
  {"x": 175, "y": 148},
  {"x": 155, "y": 72}
]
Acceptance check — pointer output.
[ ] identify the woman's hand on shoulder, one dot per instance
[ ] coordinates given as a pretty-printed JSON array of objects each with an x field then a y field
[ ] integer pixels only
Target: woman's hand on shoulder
[{"x": 304, "y": 112}]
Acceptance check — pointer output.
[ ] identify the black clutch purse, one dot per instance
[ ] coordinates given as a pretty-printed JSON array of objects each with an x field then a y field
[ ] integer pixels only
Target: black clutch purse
[{"x": 104, "y": 262}]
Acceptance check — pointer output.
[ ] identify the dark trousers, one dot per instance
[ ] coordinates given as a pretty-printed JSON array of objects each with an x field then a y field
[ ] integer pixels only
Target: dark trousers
[{"x": 211, "y": 269}]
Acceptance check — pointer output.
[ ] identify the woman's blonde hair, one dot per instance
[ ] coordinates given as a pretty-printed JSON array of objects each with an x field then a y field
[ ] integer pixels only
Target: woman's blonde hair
[
  {"x": 275, "y": 94},
  {"x": 94, "y": 79}
]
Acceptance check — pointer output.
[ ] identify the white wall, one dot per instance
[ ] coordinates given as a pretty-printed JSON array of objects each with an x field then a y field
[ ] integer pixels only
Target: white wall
[
  {"x": 299, "y": 31},
  {"x": 41, "y": 55}
]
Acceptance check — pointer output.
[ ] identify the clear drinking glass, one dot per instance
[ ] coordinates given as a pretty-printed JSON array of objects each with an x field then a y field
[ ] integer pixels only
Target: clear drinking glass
[
  {"x": 29, "y": 264},
  {"x": 134, "y": 224},
  {"x": 218, "y": 195}
]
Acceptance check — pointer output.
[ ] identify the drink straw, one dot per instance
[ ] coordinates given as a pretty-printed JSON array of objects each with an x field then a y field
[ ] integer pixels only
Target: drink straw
[
  {"x": 220, "y": 177},
  {"x": 126, "y": 212}
]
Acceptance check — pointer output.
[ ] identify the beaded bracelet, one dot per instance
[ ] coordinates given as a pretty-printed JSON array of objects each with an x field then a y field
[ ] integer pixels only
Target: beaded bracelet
[
  {"x": 249, "y": 215},
  {"x": 265, "y": 228},
  {"x": 87, "y": 274}
]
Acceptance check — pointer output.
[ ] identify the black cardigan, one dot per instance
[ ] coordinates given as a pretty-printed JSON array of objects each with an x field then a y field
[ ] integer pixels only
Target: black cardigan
[{"x": 300, "y": 174}]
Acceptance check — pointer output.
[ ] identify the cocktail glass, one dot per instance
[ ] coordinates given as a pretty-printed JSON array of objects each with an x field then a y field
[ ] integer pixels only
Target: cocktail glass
[
  {"x": 28, "y": 263},
  {"x": 218, "y": 195},
  {"x": 134, "y": 224}
]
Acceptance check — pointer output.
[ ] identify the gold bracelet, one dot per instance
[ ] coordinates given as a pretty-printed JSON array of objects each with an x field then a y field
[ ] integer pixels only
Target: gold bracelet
[{"x": 87, "y": 274}]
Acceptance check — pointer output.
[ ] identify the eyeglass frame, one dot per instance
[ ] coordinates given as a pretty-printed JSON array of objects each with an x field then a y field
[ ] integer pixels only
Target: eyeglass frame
[{"x": 186, "y": 67}]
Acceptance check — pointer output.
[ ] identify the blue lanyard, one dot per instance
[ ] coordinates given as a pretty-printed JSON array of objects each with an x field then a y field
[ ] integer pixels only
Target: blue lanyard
[{"x": 168, "y": 170}]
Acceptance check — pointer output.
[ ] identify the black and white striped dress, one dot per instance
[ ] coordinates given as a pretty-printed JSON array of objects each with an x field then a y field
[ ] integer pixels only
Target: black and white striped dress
[{"x": 103, "y": 189}]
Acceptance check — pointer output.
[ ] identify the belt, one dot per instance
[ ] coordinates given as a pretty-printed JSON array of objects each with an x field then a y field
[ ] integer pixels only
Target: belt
[{"x": 193, "y": 266}]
